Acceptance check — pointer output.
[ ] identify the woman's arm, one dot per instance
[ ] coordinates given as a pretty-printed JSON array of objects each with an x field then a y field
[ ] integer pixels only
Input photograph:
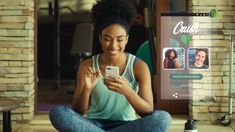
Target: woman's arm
[
  {"x": 87, "y": 77},
  {"x": 141, "y": 102},
  {"x": 177, "y": 64},
  {"x": 165, "y": 63}
]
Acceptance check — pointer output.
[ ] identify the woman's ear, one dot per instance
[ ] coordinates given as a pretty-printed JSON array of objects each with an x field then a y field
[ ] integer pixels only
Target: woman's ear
[{"x": 127, "y": 38}]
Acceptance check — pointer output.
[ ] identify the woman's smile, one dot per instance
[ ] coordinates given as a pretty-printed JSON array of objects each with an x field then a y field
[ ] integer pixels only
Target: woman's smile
[{"x": 113, "y": 51}]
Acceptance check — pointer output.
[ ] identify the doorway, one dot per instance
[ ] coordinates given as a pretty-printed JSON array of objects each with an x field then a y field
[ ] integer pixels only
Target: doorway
[
  {"x": 53, "y": 50},
  {"x": 172, "y": 106}
]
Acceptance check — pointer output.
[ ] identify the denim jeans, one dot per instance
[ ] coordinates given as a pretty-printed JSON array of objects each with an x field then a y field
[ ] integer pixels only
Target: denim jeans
[{"x": 64, "y": 119}]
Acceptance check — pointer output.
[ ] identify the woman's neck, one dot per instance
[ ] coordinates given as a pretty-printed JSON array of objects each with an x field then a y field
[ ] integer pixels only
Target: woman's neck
[{"x": 108, "y": 61}]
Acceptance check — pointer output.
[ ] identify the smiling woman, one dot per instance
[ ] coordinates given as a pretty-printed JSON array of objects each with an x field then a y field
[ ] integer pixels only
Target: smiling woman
[
  {"x": 112, "y": 104},
  {"x": 113, "y": 39}
]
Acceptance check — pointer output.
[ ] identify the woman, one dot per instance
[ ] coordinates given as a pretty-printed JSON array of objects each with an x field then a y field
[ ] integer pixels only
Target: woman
[
  {"x": 100, "y": 104},
  {"x": 170, "y": 61}
]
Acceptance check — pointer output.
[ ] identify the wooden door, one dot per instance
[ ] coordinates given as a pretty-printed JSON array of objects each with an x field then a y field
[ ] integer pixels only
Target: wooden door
[{"x": 172, "y": 106}]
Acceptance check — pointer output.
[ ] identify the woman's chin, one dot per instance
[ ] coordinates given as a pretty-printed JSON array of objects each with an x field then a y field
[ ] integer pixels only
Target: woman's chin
[{"x": 113, "y": 54}]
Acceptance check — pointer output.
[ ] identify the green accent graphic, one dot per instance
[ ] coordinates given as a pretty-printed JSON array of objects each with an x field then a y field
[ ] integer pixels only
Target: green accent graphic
[
  {"x": 215, "y": 13},
  {"x": 185, "y": 39},
  {"x": 186, "y": 76}
]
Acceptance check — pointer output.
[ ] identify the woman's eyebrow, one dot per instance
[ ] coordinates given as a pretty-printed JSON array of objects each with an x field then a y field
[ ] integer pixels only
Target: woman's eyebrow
[
  {"x": 121, "y": 36},
  {"x": 105, "y": 35}
]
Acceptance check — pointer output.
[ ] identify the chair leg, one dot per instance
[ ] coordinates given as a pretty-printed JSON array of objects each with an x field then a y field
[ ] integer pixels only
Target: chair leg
[{"x": 6, "y": 121}]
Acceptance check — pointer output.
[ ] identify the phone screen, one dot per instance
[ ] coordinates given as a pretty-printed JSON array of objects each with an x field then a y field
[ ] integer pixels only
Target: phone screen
[{"x": 185, "y": 55}]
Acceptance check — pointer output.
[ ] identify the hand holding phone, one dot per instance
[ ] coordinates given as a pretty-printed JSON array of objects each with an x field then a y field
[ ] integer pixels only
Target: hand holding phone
[{"x": 111, "y": 72}]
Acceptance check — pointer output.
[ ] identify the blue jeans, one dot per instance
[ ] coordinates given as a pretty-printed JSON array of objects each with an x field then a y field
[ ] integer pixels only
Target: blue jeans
[{"x": 65, "y": 119}]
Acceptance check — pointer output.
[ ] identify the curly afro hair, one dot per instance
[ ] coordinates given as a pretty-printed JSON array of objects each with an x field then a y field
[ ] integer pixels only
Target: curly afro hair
[{"x": 108, "y": 12}]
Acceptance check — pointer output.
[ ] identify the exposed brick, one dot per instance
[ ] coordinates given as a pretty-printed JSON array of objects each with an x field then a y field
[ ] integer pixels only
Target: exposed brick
[
  {"x": 11, "y": 13},
  {"x": 211, "y": 25},
  {"x": 226, "y": 80},
  {"x": 27, "y": 12},
  {"x": 28, "y": 50},
  {"x": 210, "y": 43},
  {"x": 21, "y": 75},
  {"x": 4, "y": 63},
  {"x": 229, "y": 25},
  {"x": 16, "y": 57},
  {"x": 15, "y": 63},
  {"x": 203, "y": 109},
  {"x": 213, "y": 2},
  {"x": 222, "y": 55},
  {"x": 28, "y": 63},
  {"x": 209, "y": 116},
  {"x": 28, "y": 117},
  {"x": 23, "y": 110},
  {"x": 228, "y": 73},
  {"x": 17, "y": 94},
  {"x": 215, "y": 86},
  {"x": 13, "y": 39},
  {"x": 16, "y": 19},
  {"x": 7, "y": 70},
  {"x": 16, "y": 80},
  {"x": 197, "y": 8},
  {"x": 213, "y": 36},
  {"x": 16, "y": 7},
  {"x": 12, "y": 25},
  {"x": 16, "y": 42},
  {"x": 220, "y": 68},
  {"x": 18, "y": 87},
  {"x": 231, "y": 2},
  {"x": 15, "y": 50},
  {"x": 229, "y": 32},
  {"x": 12, "y": 2},
  {"x": 194, "y": 2},
  {"x": 16, "y": 33},
  {"x": 3, "y": 50},
  {"x": 29, "y": 25},
  {"x": 221, "y": 93}
]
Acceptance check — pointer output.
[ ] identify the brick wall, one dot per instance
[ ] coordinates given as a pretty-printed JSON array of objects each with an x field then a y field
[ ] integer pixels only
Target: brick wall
[
  {"x": 216, "y": 81},
  {"x": 17, "y": 55}
]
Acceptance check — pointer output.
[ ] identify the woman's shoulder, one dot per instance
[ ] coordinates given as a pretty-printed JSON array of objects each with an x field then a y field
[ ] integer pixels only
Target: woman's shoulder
[
  {"x": 89, "y": 61},
  {"x": 86, "y": 63}
]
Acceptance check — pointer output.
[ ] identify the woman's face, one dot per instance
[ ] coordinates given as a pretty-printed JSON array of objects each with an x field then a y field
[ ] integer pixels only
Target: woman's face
[
  {"x": 200, "y": 57},
  {"x": 172, "y": 54},
  {"x": 113, "y": 40}
]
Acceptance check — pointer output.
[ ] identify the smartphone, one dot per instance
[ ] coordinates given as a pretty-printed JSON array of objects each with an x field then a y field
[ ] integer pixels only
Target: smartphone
[{"x": 111, "y": 72}]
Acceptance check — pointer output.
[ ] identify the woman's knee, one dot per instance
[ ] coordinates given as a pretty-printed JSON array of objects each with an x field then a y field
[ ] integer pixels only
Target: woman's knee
[
  {"x": 58, "y": 110},
  {"x": 59, "y": 113},
  {"x": 162, "y": 117}
]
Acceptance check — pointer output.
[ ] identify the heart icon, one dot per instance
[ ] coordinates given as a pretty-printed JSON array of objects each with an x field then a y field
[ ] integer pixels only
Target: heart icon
[{"x": 185, "y": 39}]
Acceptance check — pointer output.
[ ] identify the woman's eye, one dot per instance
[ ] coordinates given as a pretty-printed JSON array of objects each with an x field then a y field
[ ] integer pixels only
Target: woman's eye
[
  {"x": 107, "y": 39},
  {"x": 120, "y": 40}
]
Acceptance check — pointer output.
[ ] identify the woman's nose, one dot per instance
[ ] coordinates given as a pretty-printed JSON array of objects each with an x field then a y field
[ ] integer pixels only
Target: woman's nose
[{"x": 114, "y": 43}]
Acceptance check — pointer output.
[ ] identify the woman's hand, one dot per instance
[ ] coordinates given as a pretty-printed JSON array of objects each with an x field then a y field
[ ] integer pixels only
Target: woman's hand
[
  {"x": 119, "y": 85},
  {"x": 91, "y": 77}
]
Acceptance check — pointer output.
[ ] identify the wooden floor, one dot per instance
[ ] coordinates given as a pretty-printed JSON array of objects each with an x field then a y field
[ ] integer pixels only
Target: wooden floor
[
  {"x": 49, "y": 93},
  {"x": 41, "y": 123}
]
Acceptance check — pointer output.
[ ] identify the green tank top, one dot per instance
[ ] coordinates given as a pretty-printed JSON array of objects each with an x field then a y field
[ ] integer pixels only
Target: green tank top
[{"x": 106, "y": 104}]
